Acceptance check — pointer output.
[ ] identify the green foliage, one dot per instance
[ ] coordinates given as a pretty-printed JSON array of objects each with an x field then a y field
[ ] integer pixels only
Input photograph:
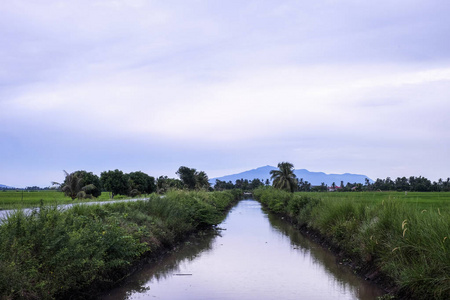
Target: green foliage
[
  {"x": 284, "y": 178},
  {"x": 276, "y": 200},
  {"x": 192, "y": 179},
  {"x": 164, "y": 184},
  {"x": 142, "y": 182},
  {"x": 187, "y": 176},
  {"x": 409, "y": 244},
  {"x": 74, "y": 185},
  {"x": 243, "y": 184},
  {"x": 55, "y": 254},
  {"x": 89, "y": 179},
  {"x": 115, "y": 181}
]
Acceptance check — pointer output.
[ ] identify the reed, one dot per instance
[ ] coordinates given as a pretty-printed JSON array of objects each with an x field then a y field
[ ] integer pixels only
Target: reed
[
  {"x": 52, "y": 253},
  {"x": 410, "y": 245}
]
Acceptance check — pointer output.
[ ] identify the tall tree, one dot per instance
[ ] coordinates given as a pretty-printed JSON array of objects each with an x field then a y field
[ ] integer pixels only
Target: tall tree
[
  {"x": 142, "y": 182},
  {"x": 284, "y": 178},
  {"x": 90, "y": 178},
  {"x": 73, "y": 186},
  {"x": 164, "y": 183},
  {"x": 187, "y": 176},
  {"x": 115, "y": 182},
  {"x": 201, "y": 181},
  {"x": 193, "y": 179}
]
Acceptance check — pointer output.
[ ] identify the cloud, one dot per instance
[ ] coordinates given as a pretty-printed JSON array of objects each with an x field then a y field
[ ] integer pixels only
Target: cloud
[{"x": 328, "y": 85}]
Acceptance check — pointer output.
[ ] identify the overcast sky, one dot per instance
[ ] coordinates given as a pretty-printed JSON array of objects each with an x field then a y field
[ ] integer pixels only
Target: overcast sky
[{"x": 223, "y": 86}]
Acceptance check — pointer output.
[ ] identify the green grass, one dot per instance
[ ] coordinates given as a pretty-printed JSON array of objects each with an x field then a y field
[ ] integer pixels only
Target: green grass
[
  {"x": 28, "y": 199},
  {"x": 406, "y": 237},
  {"x": 54, "y": 254},
  {"x": 419, "y": 200}
]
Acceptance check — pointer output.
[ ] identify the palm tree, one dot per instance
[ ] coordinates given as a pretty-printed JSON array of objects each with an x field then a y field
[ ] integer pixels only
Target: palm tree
[
  {"x": 201, "y": 180},
  {"x": 284, "y": 178},
  {"x": 73, "y": 186}
]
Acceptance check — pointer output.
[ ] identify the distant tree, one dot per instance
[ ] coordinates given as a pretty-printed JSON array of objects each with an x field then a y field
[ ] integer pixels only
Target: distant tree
[
  {"x": 367, "y": 184},
  {"x": 192, "y": 179},
  {"x": 73, "y": 186},
  {"x": 333, "y": 186},
  {"x": 284, "y": 178},
  {"x": 141, "y": 182},
  {"x": 255, "y": 183},
  {"x": 420, "y": 184},
  {"x": 164, "y": 184},
  {"x": 221, "y": 185},
  {"x": 115, "y": 182},
  {"x": 267, "y": 182},
  {"x": 32, "y": 188},
  {"x": 238, "y": 183},
  {"x": 187, "y": 176},
  {"x": 307, "y": 186},
  {"x": 402, "y": 184},
  {"x": 300, "y": 184},
  {"x": 358, "y": 187},
  {"x": 90, "y": 178},
  {"x": 201, "y": 181}
]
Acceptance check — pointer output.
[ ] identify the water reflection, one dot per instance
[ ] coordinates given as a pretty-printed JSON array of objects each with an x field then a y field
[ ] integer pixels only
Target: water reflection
[
  {"x": 168, "y": 266},
  {"x": 257, "y": 256},
  {"x": 341, "y": 275}
]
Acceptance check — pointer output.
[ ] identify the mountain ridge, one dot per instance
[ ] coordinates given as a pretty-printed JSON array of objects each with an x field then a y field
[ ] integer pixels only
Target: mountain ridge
[
  {"x": 2, "y": 186},
  {"x": 315, "y": 178}
]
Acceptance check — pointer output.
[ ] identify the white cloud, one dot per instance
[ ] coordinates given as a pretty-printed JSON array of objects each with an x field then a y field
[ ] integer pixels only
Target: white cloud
[{"x": 347, "y": 78}]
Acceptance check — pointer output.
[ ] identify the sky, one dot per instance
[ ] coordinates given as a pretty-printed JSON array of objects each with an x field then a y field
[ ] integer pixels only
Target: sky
[{"x": 223, "y": 86}]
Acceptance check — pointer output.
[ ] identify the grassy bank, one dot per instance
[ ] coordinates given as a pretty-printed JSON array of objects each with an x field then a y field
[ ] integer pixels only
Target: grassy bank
[
  {"x": 406, "y": 243},
  {"x": 77, "y": 252},
  {"x": 27, "y": 199}
]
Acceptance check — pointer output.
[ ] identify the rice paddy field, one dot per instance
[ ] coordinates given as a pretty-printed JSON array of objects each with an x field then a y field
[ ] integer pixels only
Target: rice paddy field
[
  {"x": 421, "y": 200},
  {"x": 26, "y": 199}
]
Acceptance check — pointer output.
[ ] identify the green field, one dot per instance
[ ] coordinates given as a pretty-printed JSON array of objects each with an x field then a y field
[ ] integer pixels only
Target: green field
[
  {"x": 24, "y": 199},
  {"x": 421, "y": 200}
]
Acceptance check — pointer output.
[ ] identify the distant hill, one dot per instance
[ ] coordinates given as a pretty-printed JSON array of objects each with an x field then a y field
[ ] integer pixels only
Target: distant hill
[
  {"x": 315, "y": 178},
  {"x": 2, "y": 186}
]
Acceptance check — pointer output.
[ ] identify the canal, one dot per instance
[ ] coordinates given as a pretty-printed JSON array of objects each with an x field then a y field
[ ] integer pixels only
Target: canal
[{"x": 253, "y": 255}]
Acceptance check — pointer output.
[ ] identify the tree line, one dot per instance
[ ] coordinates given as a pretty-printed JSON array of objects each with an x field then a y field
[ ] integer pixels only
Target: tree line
[
  {"x": 243, "y": 184},
  {"x": 82, "y": 184},
  {"x": 415, "y": 184},
  {"x": 284, "y": 178}
]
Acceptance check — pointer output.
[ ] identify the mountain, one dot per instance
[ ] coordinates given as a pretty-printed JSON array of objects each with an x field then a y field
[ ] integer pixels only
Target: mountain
[
  {"x": 2, "y": 186},
  {"x": 315, "y": 178},
  {"x": 261, "y": 173}
]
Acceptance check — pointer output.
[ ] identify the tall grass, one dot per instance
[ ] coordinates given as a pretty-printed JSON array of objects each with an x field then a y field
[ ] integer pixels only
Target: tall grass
[
  {"x": 52, "y": 254},
  {"x": 407, "y": 244}
]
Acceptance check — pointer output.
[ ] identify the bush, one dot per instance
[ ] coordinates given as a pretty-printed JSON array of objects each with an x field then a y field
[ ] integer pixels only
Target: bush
[{"x": 51, "y": 253}]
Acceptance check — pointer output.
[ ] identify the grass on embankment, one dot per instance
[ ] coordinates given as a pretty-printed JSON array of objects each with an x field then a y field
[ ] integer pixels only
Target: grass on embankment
[
  {"x": 77, "y": 252},
  {"x": 28, "y": 199},
  {"x": 409, "y": 245}
]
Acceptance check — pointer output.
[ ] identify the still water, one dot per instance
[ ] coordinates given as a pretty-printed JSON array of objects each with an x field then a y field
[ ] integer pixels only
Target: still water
[{"x": 255, "y": 256}]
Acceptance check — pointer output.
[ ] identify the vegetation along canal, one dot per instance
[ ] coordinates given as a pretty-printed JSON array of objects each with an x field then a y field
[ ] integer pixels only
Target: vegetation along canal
[{"x": 256, "y": 256}]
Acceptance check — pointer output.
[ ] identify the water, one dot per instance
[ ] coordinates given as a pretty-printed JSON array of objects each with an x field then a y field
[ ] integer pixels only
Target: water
[{"x": 257, "y": 256}]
